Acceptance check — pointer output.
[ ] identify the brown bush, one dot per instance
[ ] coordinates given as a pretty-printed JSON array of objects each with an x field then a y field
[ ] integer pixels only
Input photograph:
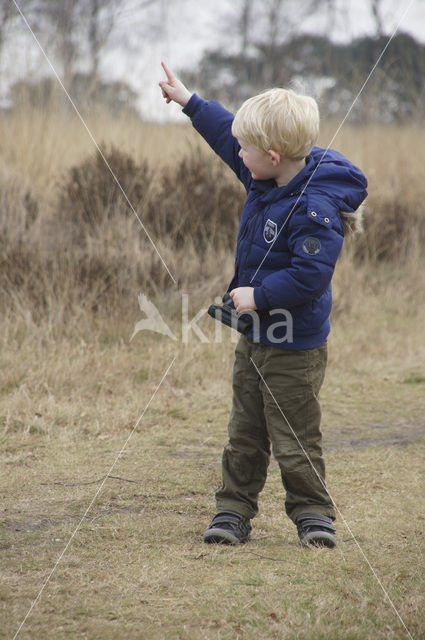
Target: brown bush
[
  {"x": 88, "y": 253},
  {"x": 92, "y": 192},
  {"x": 394, "y": 231},
  {"x": 197, "y": 201},
  {"x": 19, "y": 210}
]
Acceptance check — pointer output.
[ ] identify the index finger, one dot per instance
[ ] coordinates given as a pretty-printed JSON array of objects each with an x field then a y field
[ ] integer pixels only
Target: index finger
[{"x": 168, "y": 72}]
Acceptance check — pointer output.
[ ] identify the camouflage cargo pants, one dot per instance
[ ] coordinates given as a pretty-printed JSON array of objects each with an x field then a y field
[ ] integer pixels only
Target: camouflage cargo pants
[{"x": 256, "y": 424}]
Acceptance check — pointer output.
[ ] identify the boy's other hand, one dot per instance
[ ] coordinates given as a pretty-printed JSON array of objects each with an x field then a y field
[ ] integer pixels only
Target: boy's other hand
[
  {"x": 173, "y": 88},
  {"x": 243, "y": 299}
]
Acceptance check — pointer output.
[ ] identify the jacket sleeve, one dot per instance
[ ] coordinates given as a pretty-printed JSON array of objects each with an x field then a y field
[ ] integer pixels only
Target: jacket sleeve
[
  {"x": 314, "y": 243},
  {"x": 214, "y": 123}
]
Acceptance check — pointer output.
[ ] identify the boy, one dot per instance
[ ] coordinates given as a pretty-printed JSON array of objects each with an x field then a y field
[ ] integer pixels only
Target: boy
[{"x": 290, "y": 236}]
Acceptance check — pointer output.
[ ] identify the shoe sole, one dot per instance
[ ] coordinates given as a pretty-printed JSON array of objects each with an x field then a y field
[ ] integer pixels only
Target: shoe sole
[
  {"x": 319, "y": 539},
  {"x": 221, "y": 536}
]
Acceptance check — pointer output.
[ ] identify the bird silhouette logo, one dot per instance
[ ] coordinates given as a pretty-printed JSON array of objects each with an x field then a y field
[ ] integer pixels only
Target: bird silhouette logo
[{"x": 153, "y": 320}]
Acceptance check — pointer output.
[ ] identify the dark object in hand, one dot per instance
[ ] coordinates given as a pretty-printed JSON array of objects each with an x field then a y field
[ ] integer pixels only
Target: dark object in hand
[{"x": 227, "y": 315}]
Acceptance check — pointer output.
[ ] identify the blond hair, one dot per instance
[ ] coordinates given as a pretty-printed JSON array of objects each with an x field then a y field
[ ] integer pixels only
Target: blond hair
[{"x": 279, "y": 119}]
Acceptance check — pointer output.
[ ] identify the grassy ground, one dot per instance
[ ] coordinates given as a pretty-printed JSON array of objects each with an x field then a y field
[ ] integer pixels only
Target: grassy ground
[{"x": 136, "y": 566}]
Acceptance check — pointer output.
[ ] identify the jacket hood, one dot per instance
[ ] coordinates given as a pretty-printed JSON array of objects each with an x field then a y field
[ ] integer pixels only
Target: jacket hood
[{"x": 327, "y": 174}]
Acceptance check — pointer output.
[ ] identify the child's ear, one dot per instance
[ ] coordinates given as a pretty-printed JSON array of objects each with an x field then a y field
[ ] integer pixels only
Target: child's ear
[{"x": 275, "y": 157}]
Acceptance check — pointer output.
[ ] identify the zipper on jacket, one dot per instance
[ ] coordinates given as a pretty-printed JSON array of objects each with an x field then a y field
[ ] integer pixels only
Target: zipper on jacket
[
  {"x": 254, "y": 216},
  {"x": 245, "y": 231}
]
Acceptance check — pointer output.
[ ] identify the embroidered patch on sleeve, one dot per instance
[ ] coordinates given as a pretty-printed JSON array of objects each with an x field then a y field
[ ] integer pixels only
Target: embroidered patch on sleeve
[{"x": 311, "y": 246}]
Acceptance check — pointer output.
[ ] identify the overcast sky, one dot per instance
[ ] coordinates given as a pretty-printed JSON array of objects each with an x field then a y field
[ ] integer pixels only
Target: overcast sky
[{"x": 183, "y": 29}]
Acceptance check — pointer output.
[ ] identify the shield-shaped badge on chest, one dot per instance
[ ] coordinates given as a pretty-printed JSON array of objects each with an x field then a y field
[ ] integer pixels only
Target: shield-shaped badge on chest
[{"x": 270, "y": 231}]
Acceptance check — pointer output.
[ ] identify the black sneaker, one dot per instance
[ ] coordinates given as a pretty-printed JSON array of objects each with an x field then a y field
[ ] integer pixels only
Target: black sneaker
[
  {"x": 228, "y": 527},
  {"x": 316, "y": 530}
]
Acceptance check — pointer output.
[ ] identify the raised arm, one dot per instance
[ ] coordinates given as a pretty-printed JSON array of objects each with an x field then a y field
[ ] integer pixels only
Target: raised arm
[{"x": 210, "y": 119}]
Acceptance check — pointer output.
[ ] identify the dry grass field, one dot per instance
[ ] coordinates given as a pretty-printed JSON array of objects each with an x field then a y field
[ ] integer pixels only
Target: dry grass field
[{"x": 108, "y": 469}]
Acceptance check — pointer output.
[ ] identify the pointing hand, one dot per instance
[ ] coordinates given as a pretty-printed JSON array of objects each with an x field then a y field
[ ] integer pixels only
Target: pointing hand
[{"x": 173, "y": 89}]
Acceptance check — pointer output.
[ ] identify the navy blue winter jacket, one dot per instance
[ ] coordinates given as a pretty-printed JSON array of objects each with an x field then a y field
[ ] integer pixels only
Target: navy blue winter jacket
[{"x": 288, "y": 261}]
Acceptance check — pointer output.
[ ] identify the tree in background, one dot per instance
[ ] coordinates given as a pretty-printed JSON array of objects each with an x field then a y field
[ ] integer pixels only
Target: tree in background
[
  {"x": 263, "y": 43},
  {"x": 82, "y": 29},
  {"x": 76, "y": 34},
  {"x": 376, "y": 9},
  {"x": 278, "y": 55},
  {"x": 254, "y": 56},
  {"x": 7, "y": 12},
  {"x": 114, "y": 96}
]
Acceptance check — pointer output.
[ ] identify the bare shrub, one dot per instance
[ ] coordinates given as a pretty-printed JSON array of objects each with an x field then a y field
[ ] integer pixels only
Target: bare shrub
[
  {"x": 19, "y": 209},
  {"x": 90, "y": 194},
  {"x": 21, "y": 263},
  {"x": 394, "y": 230},
  {"x": 196, "y": 201},
  {"x": 92, "y": 254}
]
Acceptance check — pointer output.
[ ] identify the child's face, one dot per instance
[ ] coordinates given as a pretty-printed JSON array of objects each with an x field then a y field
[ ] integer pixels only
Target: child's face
[{"x": 258, "y": 162}]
